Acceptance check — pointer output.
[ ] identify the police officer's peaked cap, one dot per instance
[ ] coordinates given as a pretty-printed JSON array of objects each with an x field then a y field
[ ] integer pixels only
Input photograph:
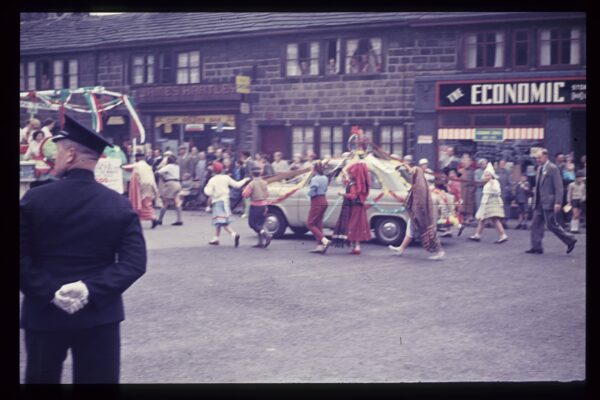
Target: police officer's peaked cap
[{"x": 76, "y": 132}]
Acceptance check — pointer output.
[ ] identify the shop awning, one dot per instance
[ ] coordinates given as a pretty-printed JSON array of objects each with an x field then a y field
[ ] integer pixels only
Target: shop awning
[{"x": 528, "y": 133}]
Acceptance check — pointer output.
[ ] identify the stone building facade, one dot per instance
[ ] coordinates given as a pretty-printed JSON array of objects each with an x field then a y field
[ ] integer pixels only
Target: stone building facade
[{"x": 183, "y": 77}]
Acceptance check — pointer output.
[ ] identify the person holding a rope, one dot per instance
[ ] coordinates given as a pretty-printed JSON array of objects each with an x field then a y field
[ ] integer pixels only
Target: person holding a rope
[
  {"x": 318, "y": 205},
  {"x": 258, "y": 192}
]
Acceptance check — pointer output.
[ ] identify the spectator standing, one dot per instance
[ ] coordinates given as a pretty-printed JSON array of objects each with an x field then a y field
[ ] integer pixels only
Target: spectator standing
[
  {"x": 210, "y": 154},
  {"x": 297, "y": 162},
  {"x": 522, "y": 194},
  {"x": 34, "y": 151},
  {"x": 279, "y": 165},
  {"x": 506, "y": 188},
  {"x": 575, "y": 198},
  {"x": 405, "y": 168},
  {"x": 142, "y": 189},
  {"x": 267, "y": 167},
  {"x": 468, "y": 188},
  {"x": 478, "y": 175}
]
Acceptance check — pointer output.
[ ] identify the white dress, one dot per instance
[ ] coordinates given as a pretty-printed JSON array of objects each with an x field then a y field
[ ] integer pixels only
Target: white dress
[{"x": 491, "y": 201}]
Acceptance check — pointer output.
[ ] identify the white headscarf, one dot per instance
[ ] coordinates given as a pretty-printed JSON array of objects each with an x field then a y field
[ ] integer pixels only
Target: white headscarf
[{"x": 490, "y": 169}]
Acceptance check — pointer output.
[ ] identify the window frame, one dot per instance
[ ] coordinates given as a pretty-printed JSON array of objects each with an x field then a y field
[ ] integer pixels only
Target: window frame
[
  {"x": 189, "y": 67},
  {"x": 393, "y": 143},
  {"x": 306, "y": 146},
  {"x": 66, "y": 74},
  {"x": 146, "y": 67},
  {"x": 539, "y": 42},
  {"x": 29, "y": 78},
  {"x": 344, "y": 55},
  {"x": 529, "y": 43},
  {"x": 465, "y": 47},
  {"x": 318, "y": 59},
  {"x": 330, "y": 143}
]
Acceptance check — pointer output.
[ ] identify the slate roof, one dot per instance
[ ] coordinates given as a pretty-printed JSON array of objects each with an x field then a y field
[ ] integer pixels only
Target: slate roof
[{"x": 88, "y": 32}]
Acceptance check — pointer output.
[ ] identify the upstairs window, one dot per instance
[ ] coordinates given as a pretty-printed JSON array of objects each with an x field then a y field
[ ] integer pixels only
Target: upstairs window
[
  {"x": 521, "y": 48},
  {"x": 333, "y": 58},
  {"x": 44, "y": 75},
  {"x": 143, "y": 69},
  {"x": 484, "y": 50},
  {"x": 188, "y": 67},
  {"x": 561, "y": 46},
  {"x": 30, "y": 76},
  {"x": 164, "y": 68},
  {"x": 65, "y": 74},
  {"x": 302, "y": 59},
  {"x": 363, "y": 55}
]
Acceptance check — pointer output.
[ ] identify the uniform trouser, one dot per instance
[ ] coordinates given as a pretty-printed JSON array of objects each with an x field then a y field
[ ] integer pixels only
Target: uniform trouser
[
  {"x": 256, "y": 217},
  {"x": 95, "y": 352},
  {"x": 547, "y": 218},
  {"x": 318, "y": 206}
]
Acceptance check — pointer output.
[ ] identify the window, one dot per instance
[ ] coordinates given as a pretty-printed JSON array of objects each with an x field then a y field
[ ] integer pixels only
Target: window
[
  {"x": 490, "y": 120},
  {"x": 521, "y": 48},
  {"x": 302, "y": 140},
  {"x": 188, "y": 67},
  {"x": 560, "y": 46},
  {"x": 143, "y": 69},
  {"x": 44, "y": 75},
  {"x": 302, "y": 59},
  {"x": 65, "y": 74},
  {"x": 485, "y": 50},
  {"x": 27, "y": 76},
  {"x": 363, "y": 55},
  {"x": 332, "y": 141},
  {"x": 392, "y": 139},
  {"x": 332, "y": 60},
  {"x": 164, "y": 68}
]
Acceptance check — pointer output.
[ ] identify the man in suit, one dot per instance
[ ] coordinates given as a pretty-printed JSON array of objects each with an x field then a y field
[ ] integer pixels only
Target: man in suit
[
  {"x": 547, "y": 200},
  {"x": 81, "y": 247}
]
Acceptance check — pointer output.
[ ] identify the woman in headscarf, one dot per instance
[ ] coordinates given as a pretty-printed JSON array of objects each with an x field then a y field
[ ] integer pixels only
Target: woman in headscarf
[
  {"x": 421, "y": 220},
  {"x": 491, "y": 206},
  {"x": 353, "y": 224}
]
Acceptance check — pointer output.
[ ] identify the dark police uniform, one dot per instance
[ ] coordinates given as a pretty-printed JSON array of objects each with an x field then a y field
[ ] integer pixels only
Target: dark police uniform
[{"x": 76, "y": 229}]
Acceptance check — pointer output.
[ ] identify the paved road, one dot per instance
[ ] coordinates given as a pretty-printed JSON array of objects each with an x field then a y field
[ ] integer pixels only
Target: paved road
[{"x": 218, "y": 314}]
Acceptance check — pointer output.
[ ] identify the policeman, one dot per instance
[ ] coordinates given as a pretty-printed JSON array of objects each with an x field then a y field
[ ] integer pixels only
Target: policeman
[{"x": 81, "y": 248}]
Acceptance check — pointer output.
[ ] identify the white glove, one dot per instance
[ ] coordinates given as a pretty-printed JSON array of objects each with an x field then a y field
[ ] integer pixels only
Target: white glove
[{"x": 71, "y": 297}]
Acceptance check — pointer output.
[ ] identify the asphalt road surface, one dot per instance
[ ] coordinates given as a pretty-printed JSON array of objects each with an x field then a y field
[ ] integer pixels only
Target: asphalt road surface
[{"x": 488, "y": 312}]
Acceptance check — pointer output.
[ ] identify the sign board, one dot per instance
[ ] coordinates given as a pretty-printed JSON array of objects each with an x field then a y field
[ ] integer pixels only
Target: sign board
[
  {"x": 186, "y": 93},
  {"x": 489, "y": 135},
  {"x": 169, "y": 120},
  {"x": 425, "y": 139},
  {"x": 109, "y": 173},
  {"x": 194, "y": 127},
  {"x": 245, "y": 108},
  {"x": 242, "y": 84},
  {"x": 116, "y": 120},
  {"x": 511, "y": 93}
]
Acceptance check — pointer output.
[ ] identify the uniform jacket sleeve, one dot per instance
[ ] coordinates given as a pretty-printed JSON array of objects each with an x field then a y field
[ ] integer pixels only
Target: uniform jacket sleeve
[
  {"x": 34, "y": 282},
  {"x": 130, "y": 265}
]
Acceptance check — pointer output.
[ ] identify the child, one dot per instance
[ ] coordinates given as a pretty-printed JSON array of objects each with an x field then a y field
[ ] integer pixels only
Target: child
[
  {"x": 576, "y": 196},
  {"x": 217, "y": 189},
  {"x": 491, "y": 206},
  {"x": 522, "y": 194},
  {"x": 258, "y": 192}
]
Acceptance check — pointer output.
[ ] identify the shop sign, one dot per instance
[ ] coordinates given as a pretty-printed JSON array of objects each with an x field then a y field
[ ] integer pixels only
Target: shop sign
[
  {"x": 245, "y": 108},
  {"x": 489, "y": 135},
  {"x": 169, "y": 120},
  {"x": 194, "y": 127},
  {"x": 242, "y": 84},
  {"x": 179, "y": 93},
  {"x": 513, "y": 93},
  {"x": 116, "y": 120},
  {"x": 425, "y": 139}
]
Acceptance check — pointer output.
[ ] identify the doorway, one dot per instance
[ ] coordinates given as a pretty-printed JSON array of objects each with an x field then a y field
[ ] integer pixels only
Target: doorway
[{"x": 273, "y": 138}]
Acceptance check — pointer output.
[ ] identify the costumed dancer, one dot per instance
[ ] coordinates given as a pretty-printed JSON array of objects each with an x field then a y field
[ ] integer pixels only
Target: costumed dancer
[
  {"x": 217, "y": 189},
  {"x": 169, "y": 191},
  {"x": 142, "y": 189},
  {"x": 421, "y": 221},
  {"x": 491, "y": 207},
  {"x": 455, "y": 188},
  {"x": 258, "y": 192},
  {"x": 318, "y": 205}
]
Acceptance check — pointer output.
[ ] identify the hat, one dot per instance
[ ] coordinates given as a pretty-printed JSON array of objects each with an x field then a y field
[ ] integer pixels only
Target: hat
[
  {"x": 490, "y": 169},
  {"x": 408, "y": 157},
  {"x": 217, "y": 167},
  {"x": 423, "y": 161},
  {"x": 183, "y": 147},
  {"x": 76, "y": 132}
]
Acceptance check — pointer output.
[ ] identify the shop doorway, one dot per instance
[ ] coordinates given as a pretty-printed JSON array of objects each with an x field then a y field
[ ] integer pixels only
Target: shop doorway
[
  {"x": 273, "y": 138},
  {"x": 578, "y": 134}
]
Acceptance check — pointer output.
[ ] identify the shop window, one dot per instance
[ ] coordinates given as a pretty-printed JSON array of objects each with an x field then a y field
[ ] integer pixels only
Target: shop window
[
  {"x": 392, "y": 139},
  {"x": 164, "y": 68},
  {"x": 333, "y": 57},
  {"x": 561, "y": 46},
  {"x": 302, "y": 59},
  {"x": 302, "y": 140},
  {"x": 188, "y": 67},
  {"x": 363, "y": 55},
  {"x": 484, "y": 50},
  {"x": 143, "y": 69},
  {"x": 65, "y": 74},
  {"x": 489, "y": 120},
  {"x": 461, "y": 119},
  {"x": 521, "y": 48},
  {"x": 526, "y": 119},
  {"x": 332, "y": 141}
]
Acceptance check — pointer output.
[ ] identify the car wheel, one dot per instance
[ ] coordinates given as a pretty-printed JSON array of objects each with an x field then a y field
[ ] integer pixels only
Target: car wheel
[
  {"x": 299, "y": 231},
  {"x": 275, "y": 223},
  {"x": 390, "y": 231}
]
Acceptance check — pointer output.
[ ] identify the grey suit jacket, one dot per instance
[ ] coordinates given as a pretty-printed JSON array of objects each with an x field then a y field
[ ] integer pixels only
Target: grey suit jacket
[{"x": 551, "y": 187}]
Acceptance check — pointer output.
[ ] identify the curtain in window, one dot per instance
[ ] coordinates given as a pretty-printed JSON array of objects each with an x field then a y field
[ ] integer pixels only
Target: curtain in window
[
  {"x": 351, "y": 60},
  {"x": 195, "y": 67},
  {"x": 58, "y": 74},
  {"x": 471, "y": 48},
  {"x": 314, "y": 58},
  {"x": 545, "y": 47},
  {"x": 150, "y": 69},
  {"x": 499, "y": 58},
  {"x": 292, "y": 60},
  {"x": 575, "y": 52}
]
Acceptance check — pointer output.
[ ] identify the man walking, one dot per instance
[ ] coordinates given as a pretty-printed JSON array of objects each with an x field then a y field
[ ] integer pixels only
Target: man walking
[
  {"x": 81, "y": 248},
  {"x": 547, "y": 199}
]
